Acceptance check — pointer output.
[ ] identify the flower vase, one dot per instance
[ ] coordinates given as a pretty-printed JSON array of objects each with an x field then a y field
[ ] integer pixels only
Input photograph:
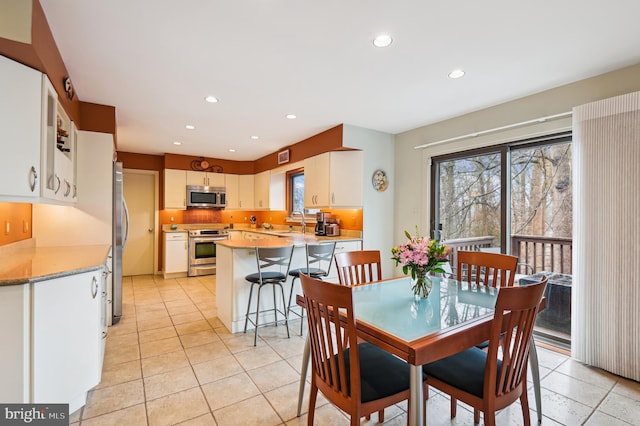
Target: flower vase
[{"x": 422, "y": 284}]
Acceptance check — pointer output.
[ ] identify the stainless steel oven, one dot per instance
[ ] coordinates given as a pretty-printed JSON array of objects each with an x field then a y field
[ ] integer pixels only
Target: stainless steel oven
[{"x": 202, "y": 250}]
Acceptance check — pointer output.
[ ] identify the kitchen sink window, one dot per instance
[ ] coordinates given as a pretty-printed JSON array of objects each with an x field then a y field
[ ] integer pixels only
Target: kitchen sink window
[
  {"x": 295, "y": 193},
  {"x": 295, "y": 198}
]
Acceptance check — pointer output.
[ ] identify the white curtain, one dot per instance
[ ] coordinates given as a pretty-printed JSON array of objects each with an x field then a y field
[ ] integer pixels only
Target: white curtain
[{"x": 605, "y": 329}]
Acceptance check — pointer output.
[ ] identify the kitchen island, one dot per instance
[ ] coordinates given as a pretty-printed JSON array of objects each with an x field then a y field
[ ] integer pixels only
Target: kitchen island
[{"x": 237, "y": 259}]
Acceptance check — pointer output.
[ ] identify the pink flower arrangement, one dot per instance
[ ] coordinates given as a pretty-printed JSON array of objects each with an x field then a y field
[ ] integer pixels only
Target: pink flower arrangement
[{"x": 420, "y": 255}]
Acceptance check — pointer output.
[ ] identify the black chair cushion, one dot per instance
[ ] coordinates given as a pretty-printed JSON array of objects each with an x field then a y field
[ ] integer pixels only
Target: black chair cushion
[
  {"x": 266, "y": 277},
  {"x": 464, "y": 370},
  {"x": 312, "y": 272},
  {"x": 381, "y": 373}
]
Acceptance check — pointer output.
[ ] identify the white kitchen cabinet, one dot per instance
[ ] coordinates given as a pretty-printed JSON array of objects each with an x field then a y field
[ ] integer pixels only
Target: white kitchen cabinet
[
  {"x": 20, "y": 109},
  {"x": 176, "y": 254},
  {"x": 240, "y": 192},
  {"x": 247, "y": 192},
  {"x": 42, "y": 164},
  {"x": 175, "y": 189},
  {"x": 262, "y": 184},
  {"x": 205, "y": 178},
  {"x": 67, "y": 338},
  {"x": 333, "y": 179},
  {"x": 235, "y": 235},
  {"x": 316, "y": 181},
  {"x": 58, "y": 151},
  {"x": 15, "y": 314},
  {"x": 232, "y": 185},
  {"x": 248, "y": 235}
]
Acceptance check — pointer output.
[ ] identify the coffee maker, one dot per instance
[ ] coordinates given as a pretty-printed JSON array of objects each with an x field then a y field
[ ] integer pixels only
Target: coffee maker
[{"x": 321, "y": 221}]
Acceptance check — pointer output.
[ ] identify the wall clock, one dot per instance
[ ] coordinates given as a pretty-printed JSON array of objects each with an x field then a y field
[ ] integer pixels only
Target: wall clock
[{"x": 379, "y": 180}]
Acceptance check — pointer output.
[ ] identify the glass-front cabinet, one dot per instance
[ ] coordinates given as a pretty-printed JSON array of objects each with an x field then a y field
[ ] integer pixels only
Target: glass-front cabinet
[{"x": 58, "y": 162}]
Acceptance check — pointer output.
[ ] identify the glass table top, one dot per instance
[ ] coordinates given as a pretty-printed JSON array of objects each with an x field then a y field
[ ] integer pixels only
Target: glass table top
[{"x": 392, "y": 307}]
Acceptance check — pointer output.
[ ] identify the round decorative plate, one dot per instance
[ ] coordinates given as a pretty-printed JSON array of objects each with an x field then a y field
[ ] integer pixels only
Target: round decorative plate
[{"x": 379, "y": 180}]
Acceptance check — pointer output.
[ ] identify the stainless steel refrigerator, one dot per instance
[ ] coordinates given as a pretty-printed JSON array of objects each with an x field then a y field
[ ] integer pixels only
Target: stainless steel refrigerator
[{"x": 120, "y": 236}]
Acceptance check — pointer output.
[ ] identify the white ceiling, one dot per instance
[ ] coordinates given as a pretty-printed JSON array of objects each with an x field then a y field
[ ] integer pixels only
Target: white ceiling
[{"x": 156, "y": 60}]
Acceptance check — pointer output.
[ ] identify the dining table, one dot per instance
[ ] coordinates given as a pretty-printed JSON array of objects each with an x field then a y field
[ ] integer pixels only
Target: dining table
[{"x": 455, "y": 316}]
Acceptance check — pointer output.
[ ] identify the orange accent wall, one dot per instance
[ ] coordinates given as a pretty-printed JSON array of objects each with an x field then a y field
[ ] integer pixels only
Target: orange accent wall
[{"x": 16, "y": 214}]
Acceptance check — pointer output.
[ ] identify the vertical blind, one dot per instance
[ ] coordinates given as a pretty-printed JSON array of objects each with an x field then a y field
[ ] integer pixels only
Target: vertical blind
[{"x": 606, "y": 284}]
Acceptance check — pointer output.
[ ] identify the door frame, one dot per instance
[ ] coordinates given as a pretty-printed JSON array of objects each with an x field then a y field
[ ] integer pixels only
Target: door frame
[{"x": 156, "y": 211}]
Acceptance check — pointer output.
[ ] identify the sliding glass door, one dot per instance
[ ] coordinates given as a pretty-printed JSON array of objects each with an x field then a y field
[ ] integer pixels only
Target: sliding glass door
[{"x": 514, "y": 198}]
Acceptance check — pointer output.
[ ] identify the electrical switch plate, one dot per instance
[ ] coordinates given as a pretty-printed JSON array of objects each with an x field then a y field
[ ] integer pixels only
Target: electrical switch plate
[
  {"x": 25, "y": 226},
  {"x": 7, "y": 227}
]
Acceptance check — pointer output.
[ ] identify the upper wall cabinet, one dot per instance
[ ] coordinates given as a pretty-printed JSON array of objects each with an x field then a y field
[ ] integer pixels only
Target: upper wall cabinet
[
  {"x": 262, "y": 186},
  {"x": 175, "y": 189},
  {"x": 240, "y": 194},
  {"x": 40, "y": 160},
  {"x": 20, "y": 104},
  {"x": 58, "y": 149},
  {"x": 205, "y": 178},
  {"x": 333, "y": 179}
]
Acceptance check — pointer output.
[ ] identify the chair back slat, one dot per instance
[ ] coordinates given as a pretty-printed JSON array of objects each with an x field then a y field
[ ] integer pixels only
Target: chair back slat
[
  {"x": 358, "y": 267},
  {"x": 514, "y": 316},
  {"x": 492, "y": 269}
]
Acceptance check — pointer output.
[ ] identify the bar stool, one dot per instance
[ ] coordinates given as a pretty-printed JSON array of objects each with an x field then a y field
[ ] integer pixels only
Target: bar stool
[
  {"x": 271, "y": 262},
  {"x": 319, "y": 258}
]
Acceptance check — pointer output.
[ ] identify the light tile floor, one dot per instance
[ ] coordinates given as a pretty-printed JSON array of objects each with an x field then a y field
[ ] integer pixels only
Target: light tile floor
[{"x": 171, "y": 361}]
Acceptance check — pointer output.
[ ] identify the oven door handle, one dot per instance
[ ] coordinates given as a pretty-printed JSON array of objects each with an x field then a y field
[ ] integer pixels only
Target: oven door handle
[{"x": 207, "y": 239}]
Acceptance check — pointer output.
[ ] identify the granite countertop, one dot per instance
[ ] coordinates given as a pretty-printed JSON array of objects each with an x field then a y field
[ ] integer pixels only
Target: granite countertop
[
  {"x": 297, "y": 239},
  {"x": 32, "y": 264},
  {"x": 276, "y": 231}
]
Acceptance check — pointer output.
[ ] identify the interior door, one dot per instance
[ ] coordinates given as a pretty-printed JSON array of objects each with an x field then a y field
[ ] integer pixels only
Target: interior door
[{"x": 139, "y": 193}]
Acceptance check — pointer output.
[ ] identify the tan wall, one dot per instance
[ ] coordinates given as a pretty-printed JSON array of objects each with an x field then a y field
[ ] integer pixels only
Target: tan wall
[
  {"x": 412, "y": 167},
  {"x": 15, "y": 20}
]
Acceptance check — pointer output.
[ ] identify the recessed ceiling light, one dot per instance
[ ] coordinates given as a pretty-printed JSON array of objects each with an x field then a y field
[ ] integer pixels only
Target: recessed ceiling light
[
  {"x": 177, "y": 143},
  {"x": 232, "y": 150},
  {"x": 383, "y": 40},
  {"x": 190, "y": 126},
  {"x": 255, "y": 137},
  {"x": 211, "y": 99},
  {"x": 291, "y": 116},
  {"x": 456, "y": 73}
]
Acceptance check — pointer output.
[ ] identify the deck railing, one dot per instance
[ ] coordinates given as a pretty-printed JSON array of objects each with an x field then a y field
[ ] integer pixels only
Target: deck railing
[
  {"x": 536, "y": 254},
  {"x": 543, "y": 253}
]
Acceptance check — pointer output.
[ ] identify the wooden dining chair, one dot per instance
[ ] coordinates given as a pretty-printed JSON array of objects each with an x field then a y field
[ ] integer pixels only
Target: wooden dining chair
[
  {"x": 498, "y": 270},
  {"x": 490, "y": 269},
  {"x": 358, "y": 378},
  {"x": 493, "y": 380},
  {"x": 358, "y": 267},
  {"x": 354, "y": 268}
]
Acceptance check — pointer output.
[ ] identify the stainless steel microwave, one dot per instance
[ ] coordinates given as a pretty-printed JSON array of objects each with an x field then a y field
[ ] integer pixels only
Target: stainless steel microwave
[{"x": 207, "y": 197}]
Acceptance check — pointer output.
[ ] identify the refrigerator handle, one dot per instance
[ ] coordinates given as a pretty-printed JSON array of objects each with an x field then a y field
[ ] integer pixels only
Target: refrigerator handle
[{"x": 126, "y": 229}]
